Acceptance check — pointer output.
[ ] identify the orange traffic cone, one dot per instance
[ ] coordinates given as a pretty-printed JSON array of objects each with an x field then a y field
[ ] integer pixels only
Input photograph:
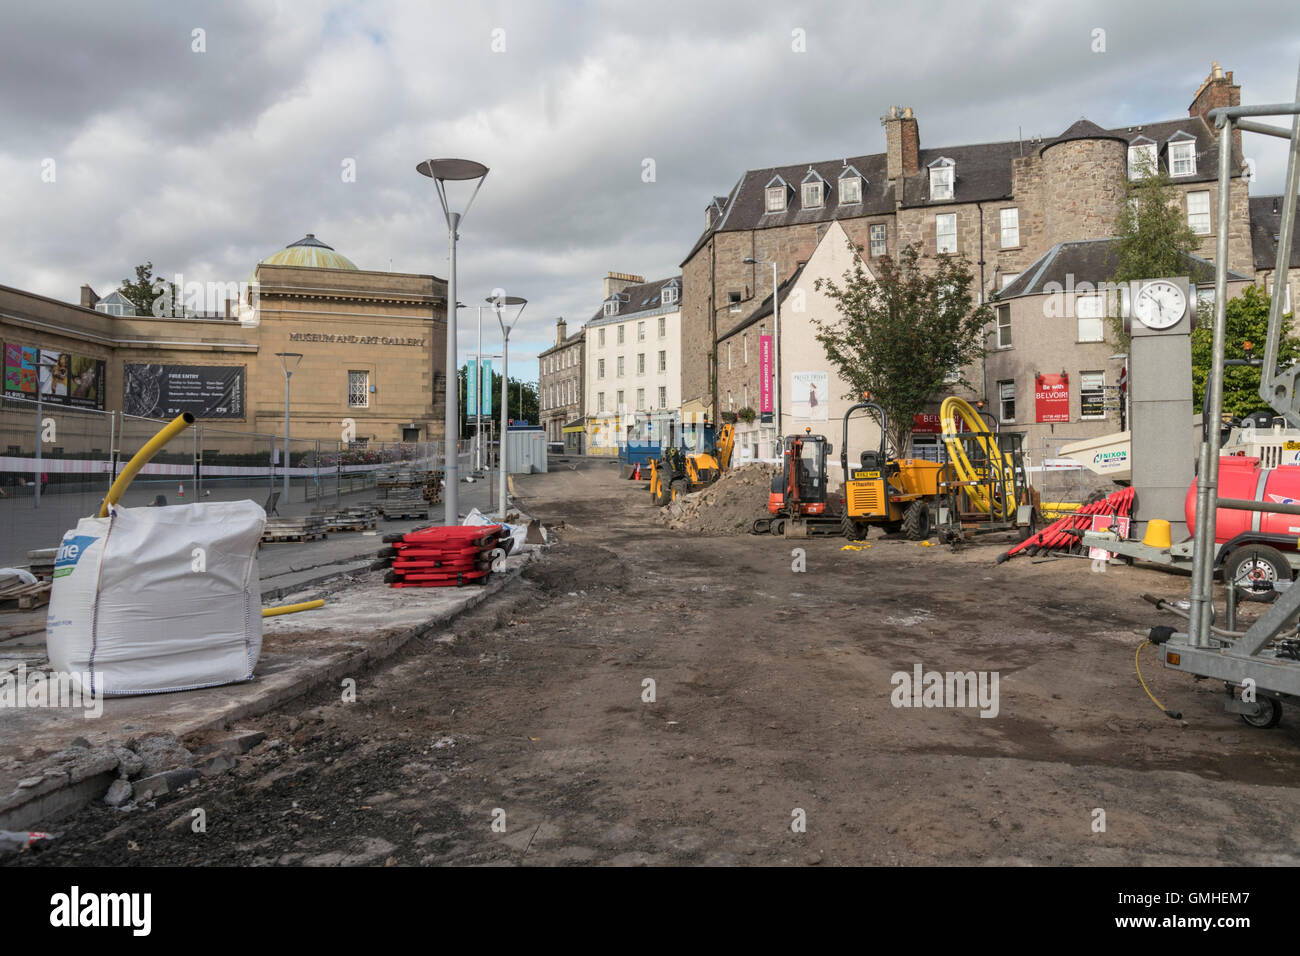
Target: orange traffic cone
[
  {"x": 636, "y": 474},
  {"x": 180, "y": 490}
]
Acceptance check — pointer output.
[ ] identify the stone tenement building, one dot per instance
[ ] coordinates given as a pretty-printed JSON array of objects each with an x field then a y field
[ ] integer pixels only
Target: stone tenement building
[
  {"x": 559, "y": 388},
  {"x": 1002, "y": 205}
]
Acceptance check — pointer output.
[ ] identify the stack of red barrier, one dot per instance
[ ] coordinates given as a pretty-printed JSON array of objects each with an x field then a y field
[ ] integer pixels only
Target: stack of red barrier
[
  {"x": 443, "y": 557},
  {"x": 1058, "y": 535}
]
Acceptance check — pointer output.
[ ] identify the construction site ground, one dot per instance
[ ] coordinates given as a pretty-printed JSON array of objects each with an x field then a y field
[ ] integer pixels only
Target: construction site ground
[{"x": 522, "y": 731}]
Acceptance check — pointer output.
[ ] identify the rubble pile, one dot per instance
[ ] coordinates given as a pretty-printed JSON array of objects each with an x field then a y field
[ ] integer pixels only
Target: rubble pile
[{"x": 728, "y": 506}]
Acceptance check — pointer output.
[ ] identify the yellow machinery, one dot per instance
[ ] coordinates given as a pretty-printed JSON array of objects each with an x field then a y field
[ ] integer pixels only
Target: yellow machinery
[
  {"x": 984, "y": 487},
  {"x": 679, "y": 472},
  {"x": 897, "y": 494}
]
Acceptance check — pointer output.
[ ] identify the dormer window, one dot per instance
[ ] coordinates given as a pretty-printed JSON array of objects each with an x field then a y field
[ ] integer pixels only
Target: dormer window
[
  {"x": 776, "y": 195},
  {"x": 1141, "y": 158},
  {"x": 1182, "y": 157},
  {"x": 669, "y": 295},
  {"x": 942, "y": 174},
  {"x": 611, "y": 306},
  {"x": 812, "y": 195},
  {"x": 850, "y": 189}
]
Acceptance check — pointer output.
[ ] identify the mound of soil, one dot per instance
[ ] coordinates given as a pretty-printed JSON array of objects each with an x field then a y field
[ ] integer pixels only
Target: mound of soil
[{"x": 728, "y": 506}]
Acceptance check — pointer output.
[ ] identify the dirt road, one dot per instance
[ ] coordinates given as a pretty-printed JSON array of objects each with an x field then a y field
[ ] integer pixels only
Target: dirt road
[{"x": 771, "y": 738}]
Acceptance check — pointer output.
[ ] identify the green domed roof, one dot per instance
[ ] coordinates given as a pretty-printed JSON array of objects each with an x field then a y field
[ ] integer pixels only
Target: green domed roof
[{"x": 309, "y": 251}]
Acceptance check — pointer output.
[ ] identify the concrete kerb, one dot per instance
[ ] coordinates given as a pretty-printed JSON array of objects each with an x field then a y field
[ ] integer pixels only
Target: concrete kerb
[{"x": 59, "y": 796}]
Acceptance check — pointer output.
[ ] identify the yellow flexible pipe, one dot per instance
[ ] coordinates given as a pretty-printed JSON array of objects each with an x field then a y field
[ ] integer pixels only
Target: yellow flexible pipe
[
  {"x": 949, "y": 411},
  {"x": 142, "y": 457},
  {"x": 292, "y": 608}
]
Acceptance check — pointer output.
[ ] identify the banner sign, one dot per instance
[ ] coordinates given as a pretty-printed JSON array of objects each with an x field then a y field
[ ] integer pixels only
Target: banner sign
[
  {"x": 471, "y": 387},
  {"x": 487, "y": 386},
  {"x": 165, "y": 391},
  {"x": 765, "y": 373},
  {"x": 809, "y": 396},
  {"x": 62, "y": 377},
  {"x": 1052, "y": 398}
]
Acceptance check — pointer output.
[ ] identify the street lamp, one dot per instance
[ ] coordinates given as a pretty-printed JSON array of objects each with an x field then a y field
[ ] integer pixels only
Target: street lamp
[
  {"x": 441, "y": 171},
  {"x": 289, "y": 362},
  {"x": 776, "y": 354},
  {"x": 499, "y": 305}
]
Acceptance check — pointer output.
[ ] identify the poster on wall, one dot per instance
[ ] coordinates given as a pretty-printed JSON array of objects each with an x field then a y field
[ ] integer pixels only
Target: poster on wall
[
  {"x": 165, "y": 391},
  {"x": 21, "y": 364},
  {"x": 62, "y": 378},
  {"x": 809, "y": 396},
  {"x": 1052, "y": 398}
]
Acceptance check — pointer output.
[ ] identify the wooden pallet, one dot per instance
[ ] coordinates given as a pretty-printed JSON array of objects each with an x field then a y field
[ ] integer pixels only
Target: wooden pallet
[
  {"x": 271, "y": 536},
  {"x": 24, "y": 597}
]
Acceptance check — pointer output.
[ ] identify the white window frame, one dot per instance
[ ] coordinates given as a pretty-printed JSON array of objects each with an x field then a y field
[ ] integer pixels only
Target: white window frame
[
  {"x": 663, "y": 396},
  {"x": 1004, "y": 312},
  {"x": 850, "y": 190},
  {"x": 1010, "y": 223},
  {"x": 611, "y": 307},
  {"x": 1140, "y": 156},
  {"x": 817, "y": 192},
  {"x": 663, "y": 325},
  {"x": 1006, "y": 390},
  {"x": 1090, "y": 317},
  {"x": 600, "y": 401},
  {"x": 600, "y": 337},
  {"x": 734, "y": 304},
  {"x": 663, "y": 361},
  {"x": 669, "y": 297},
  {"x": 620, "y": 366},
  {"x": 640, "y": 331},
  {"x": 619, "y": 399},
  {"x": 362, "y": 389},
  {"x": 939, "y": 234},
  {"x": 1182, "y": 153},
  {"x": 774, "y": 199},
  {"x": 941, "y": 182},
  {"x": 1201, "y": 217},
  {"x": 600, "y": 368},
  {"x": 640, "y": 399},
  {"x": 1099, "y": 384},
  {"x": 1008, "y": 278},
  {"x": 878, "y": 239},
  {"x": 640, "y": 363}
]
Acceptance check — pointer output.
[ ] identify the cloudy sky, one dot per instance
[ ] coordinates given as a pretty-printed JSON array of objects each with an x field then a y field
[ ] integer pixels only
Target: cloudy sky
[{"x": 206, "y": 161}]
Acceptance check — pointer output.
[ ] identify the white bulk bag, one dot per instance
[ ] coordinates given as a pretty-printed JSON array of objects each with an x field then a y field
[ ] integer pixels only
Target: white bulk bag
[{"x": 150, "y": 600}]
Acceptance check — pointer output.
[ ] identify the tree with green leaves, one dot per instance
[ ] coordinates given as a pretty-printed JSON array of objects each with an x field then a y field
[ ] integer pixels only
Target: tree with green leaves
[
  {"x": 144, "y": 291},
  {"x": 1154, "y": 238},
  {"x": 902, "y": 335},
  {"x": 1245, "y": 320}
]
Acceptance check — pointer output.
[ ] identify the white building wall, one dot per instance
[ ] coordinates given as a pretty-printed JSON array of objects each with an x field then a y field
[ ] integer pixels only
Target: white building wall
[{"x": 609, "y": 426}]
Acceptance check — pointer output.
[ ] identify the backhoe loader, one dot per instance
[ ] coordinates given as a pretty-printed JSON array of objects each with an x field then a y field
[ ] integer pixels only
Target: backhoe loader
[{"x": 678, "y": 472}]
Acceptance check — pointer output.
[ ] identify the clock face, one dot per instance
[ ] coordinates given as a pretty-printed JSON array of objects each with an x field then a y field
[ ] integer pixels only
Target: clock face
[{"x": 1160, "y": 304}]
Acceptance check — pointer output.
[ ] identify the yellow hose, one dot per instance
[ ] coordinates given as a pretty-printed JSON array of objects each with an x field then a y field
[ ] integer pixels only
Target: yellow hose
[
  {"x": 292, "y": 608},
  {"x": 142, "y": 457},
  {"x": 949, "y": 411}
]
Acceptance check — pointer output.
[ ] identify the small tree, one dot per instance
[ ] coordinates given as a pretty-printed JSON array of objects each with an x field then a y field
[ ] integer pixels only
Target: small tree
[
  {"x": 903, "y": 336},
  {"x": 1154, "y": 238},
  {"x": 1245, "y": 320},
  {"x": 142, "y": 291}
]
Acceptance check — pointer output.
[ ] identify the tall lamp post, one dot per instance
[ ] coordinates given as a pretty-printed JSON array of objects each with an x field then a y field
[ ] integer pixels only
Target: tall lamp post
[
  {"x": 500, "y": 304},
  {"x": 289, "y": 362},
  {"x": 442, "y": 171},
  {"x": 776, "y": 356}
]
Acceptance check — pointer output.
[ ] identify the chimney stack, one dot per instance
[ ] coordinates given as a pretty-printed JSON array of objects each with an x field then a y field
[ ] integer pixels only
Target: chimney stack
[
  {"x": 1215, "y": 92},
  {"x": 618, "y": 281},
  {"x": 88, "y": 297},
  {"x": 561, "y": 327},
  {"x": 902, "y": 143}
]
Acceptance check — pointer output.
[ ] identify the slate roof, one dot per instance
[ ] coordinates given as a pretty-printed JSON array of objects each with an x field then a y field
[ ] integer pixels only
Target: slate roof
[
  {"x": 983, "y": 174},
  {"x": 1088, "y": 260},
  {"x": 1265, "y": 224},
  {"x": 574, "y": 339},
  {"x": 637, "y": 300}
]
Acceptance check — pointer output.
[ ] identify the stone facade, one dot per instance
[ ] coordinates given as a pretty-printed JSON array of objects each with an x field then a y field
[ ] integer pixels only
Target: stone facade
[
  {"x": 560, "y": 385},
  {"x": 388, "y": 329},
  {"x": 1067, "y": 188}
]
